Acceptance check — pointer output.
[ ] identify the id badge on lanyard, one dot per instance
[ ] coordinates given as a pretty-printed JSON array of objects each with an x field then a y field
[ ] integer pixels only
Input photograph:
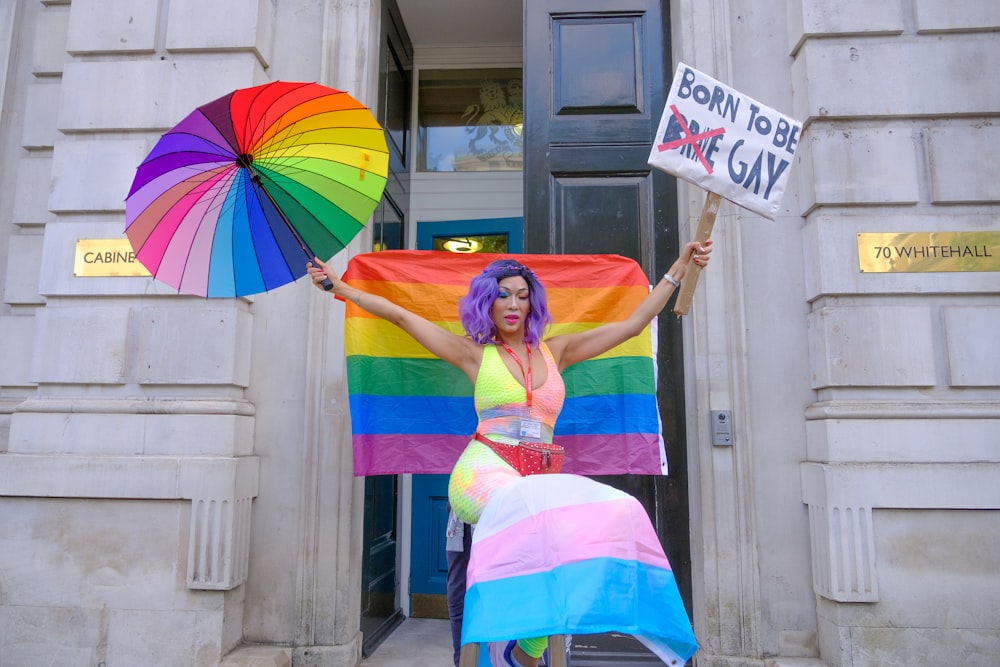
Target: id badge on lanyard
[{"x": 531, "y": 428}]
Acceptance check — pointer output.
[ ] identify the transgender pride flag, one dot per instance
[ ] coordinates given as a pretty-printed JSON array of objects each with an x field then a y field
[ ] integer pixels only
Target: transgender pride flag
[
  {"x": 413, "y": 413},
  {"x": 562, "y": 554}
]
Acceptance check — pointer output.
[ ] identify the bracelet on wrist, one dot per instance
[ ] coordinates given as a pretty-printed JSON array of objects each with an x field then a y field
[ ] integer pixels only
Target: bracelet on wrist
[{"x": 670, "y": 279}]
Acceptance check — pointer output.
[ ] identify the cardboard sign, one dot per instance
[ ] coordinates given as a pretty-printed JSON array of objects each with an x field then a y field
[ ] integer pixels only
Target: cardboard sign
[{"x": 725, "y": 142}]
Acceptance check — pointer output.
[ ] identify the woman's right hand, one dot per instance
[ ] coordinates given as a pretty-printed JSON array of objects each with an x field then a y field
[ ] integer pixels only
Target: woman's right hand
[
  {"x": 457, "y": 350},
  {"x": 320, "y": 271}
]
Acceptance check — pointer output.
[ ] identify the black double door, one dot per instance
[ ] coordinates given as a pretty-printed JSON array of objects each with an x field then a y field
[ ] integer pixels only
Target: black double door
[{"x": 596, "y": 74}]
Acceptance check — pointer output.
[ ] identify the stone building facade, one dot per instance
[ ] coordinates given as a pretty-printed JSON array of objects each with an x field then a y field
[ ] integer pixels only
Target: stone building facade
[{"x": 175, "y": 484}]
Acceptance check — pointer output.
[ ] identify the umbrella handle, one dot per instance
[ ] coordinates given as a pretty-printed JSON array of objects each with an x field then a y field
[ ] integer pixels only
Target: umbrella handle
[{"x": 327, "y": 285}]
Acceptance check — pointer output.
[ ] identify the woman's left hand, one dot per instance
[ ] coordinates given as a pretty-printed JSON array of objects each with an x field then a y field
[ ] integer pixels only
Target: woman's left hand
[{"x": 699, "y": 253}]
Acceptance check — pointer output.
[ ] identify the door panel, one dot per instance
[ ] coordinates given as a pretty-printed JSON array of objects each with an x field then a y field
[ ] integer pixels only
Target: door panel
[
  {"x": 616, "y": 200},
  {"x": 595, "y": 85},
  {"x": 598, "y": 74},
  {"x": 381, "y": 611},
  {"x": 428, "y": 563},
  {"x": 379, "y": 602}
]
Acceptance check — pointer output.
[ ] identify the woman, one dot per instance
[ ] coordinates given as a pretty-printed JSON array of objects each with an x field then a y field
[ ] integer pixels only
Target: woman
[{"x": 516, "y": 372}]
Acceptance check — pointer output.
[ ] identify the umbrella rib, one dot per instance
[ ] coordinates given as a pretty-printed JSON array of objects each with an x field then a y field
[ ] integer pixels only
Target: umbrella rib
[
  {"x": 289, "y": 154},
  {"x": 256, "y": 181},
  {"x": 258, "y": 124},
  {"x": 285, "y": 147},
  {"x": 260, "y": 185},
  {"x": 212, "y": 191},
  {"x": 218, "y": 203},
  {"x": 324, "y": 225}
]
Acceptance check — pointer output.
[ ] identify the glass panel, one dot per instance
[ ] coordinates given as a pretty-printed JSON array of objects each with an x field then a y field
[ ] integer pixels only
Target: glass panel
[
  {"x": 378, "y": 562},
  {"x": 468, "y": 244},
  {"x": 470, "y": 120},
  {"x": 387, "y": 227},
  {"x": 396, "y": 95}
]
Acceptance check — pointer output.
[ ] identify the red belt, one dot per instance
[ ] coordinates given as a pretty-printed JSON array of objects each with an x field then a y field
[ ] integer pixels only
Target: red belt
[{"x": 528, "y": 458}]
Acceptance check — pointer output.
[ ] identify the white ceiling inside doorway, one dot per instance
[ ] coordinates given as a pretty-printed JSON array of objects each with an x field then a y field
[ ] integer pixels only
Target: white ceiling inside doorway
[{"x": 462, "y": 22}]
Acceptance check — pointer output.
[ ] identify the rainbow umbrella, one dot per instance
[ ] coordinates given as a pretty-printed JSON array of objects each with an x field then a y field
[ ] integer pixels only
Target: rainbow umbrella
[{"x": 240, "y": 194}]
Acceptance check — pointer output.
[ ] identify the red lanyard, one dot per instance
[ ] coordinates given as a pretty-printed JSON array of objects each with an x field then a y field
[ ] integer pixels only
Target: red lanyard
[{"x": 517, "y": 360}]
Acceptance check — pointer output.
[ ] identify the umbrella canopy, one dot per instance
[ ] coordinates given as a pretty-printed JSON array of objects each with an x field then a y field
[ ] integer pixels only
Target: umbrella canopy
[{"x": 240, "y": 194}]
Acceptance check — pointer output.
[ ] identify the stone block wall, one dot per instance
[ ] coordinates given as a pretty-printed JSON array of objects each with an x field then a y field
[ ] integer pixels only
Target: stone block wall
[
  {"x": 903, "y": 437},
  {"x": 129, "y": 458},
  {"x": 127, "y": 467}
]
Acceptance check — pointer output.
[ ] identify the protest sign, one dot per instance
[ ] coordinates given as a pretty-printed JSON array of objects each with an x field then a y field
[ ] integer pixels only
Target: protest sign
[{"x": 727, "y": 143}]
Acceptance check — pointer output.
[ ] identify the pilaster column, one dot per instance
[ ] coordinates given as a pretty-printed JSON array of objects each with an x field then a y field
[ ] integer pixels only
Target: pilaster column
[
  {"x": 331, "y": 525},
  {"x": 723, "y": 518}
]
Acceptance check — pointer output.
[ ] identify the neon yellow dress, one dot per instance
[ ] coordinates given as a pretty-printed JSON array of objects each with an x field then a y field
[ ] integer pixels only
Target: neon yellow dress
[{"x": 504, "y": 416}]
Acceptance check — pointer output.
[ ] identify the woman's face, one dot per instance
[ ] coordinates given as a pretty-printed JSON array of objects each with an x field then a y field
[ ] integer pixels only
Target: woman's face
[{"x": 510, "y": 310}]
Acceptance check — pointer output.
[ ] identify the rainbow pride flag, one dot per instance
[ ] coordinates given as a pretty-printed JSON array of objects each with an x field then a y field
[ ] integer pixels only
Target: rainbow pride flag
[
  {"x": 563, "y": 554},
  {"x": 413, "y": 413}
]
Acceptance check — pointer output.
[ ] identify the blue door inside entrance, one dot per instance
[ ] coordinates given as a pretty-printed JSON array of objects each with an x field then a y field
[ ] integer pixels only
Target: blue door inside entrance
[{"x": 428, "y": 564}]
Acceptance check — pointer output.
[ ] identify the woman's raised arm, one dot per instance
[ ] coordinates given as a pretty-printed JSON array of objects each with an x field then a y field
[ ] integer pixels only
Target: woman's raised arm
[
  {"x": 457, "y": 350},
  {"x": 568, "y": 349}
]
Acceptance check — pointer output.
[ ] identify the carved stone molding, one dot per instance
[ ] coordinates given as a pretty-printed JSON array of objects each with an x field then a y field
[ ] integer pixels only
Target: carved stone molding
[
  {"x": 841, "y": 499},
  {"x": 843, "y": 554},
  {"x": 219, "y": 544},
  {"x": 221, "y": 490}
]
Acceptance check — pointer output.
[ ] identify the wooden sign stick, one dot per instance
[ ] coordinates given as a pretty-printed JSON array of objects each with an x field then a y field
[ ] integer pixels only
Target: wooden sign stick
[{"x": 683, "y": 303}]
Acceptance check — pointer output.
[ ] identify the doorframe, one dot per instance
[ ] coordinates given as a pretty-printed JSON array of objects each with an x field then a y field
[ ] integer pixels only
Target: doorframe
[
  {"x": 426, "y": 231},
  {"x": 512, "y": 226},
  {"x": 393, "y": 52}
]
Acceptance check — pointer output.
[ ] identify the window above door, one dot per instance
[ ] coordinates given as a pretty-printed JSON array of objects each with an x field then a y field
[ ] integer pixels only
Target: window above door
[{"x": 469, "y": 120}]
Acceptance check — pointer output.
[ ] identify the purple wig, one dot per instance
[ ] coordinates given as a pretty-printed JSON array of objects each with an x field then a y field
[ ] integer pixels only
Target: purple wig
[{"x": 474, "y": 308}]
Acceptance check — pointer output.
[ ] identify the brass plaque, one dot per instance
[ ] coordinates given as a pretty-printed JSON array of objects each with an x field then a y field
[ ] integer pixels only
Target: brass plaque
[
  {"x": 928, "y": 252},
  {"x": 106, "y": 257}
]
